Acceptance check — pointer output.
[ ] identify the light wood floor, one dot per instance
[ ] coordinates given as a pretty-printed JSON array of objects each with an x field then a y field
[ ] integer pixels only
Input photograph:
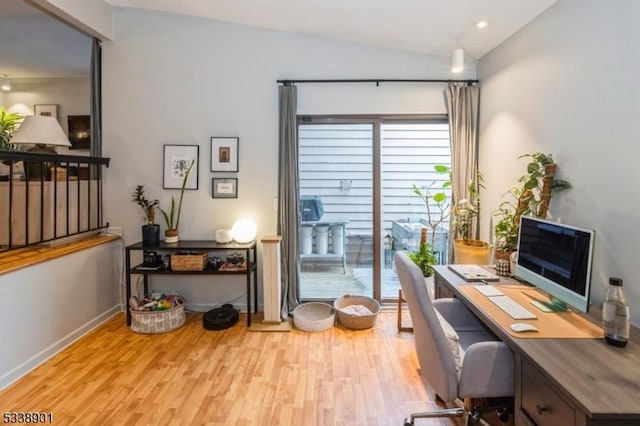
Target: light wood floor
[{"x": 232, "y": 377}]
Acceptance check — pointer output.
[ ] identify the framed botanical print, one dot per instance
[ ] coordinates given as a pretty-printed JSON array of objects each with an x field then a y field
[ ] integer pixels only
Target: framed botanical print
[{"x": 177, "y": 159}]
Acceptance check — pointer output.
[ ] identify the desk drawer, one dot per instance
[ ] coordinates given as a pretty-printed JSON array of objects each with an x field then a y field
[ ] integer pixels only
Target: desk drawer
[{"x": 543, "y": 405}]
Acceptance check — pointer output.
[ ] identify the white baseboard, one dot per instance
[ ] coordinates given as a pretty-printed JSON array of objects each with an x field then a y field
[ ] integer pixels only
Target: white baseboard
[{"x": 27, "y": 366}]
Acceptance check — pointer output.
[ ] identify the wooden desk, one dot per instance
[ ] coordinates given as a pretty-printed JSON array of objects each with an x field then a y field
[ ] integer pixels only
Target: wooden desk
[{"x": 580, "y": 382}]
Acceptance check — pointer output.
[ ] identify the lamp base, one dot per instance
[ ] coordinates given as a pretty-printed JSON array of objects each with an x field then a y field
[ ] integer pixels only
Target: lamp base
[{"x": 39, "y": 170}]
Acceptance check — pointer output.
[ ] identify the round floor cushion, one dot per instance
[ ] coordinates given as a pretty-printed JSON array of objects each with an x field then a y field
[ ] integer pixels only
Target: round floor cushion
[{"x": 220, "y": 318}]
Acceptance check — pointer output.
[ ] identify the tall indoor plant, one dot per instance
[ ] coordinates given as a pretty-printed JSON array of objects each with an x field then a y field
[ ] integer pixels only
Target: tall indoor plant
[
  {"x": 438, "y": 208},
  {"x": 465, "y": 217},
  {"x": 532, "y": 196},
  {"x": 150, "y": 229},
  {"x": 172, "y": 217}
]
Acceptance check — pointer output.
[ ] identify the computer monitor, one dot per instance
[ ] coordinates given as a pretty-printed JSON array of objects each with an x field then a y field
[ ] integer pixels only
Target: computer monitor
[{"x": 556, "y": 258}]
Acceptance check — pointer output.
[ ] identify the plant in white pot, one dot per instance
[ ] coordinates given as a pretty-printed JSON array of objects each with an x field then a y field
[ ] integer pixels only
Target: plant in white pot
[
  {"x": 150, "y": 229},
  {"x": 172, "y": 217}
]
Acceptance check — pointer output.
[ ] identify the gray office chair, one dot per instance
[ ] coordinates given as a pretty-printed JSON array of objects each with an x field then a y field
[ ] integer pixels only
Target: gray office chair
[{"x": 485, "y": 365}]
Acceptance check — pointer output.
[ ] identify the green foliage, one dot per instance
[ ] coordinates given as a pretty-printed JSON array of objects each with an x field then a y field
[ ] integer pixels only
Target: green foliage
[
  {"x": 172, "y": 218},
  {"x": 506, "y": 230},
  {"x": 531, "y": 197},
  {"x": 436, "y": 200},
  {"x": 148, "y": 206},
  {"x": 424, "y": 258},
  {"x": 9, "y": 123},
  {"x": 467, "y": 211}
]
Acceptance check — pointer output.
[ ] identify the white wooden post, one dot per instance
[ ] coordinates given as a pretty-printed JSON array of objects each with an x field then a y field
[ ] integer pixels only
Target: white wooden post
[{"x": 271, "y": 278}]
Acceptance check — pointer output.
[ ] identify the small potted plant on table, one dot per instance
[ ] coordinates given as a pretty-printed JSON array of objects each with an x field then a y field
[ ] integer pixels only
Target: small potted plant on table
[
  {"x": 172, "y": 217},
  {"x": 150, "y": 229}
]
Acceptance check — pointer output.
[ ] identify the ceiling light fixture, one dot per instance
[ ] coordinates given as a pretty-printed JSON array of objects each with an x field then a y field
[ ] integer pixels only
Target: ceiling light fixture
[
  {"x": 457, "y": 60},
  {"x": 482, "y": 24},
  {"x": 6, "y": 83}
]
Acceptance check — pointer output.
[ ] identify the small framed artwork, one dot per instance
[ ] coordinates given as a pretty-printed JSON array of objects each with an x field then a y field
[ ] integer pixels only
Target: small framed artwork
[
  {"x": 46, "y": 110},
  {"x": 224, "y": 188},
  {"x": 224, "y": 154},
  {"x": 177, "y": 159}
]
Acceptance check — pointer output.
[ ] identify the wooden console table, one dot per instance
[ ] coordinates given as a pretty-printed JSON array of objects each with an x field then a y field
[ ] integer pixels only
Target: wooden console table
[
  {"x": 249, "y": 251},
  {"x": 562, "y": 381}
]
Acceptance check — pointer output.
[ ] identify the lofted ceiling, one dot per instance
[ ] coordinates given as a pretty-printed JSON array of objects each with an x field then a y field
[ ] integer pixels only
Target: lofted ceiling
[{"x": 426, "y": 26}]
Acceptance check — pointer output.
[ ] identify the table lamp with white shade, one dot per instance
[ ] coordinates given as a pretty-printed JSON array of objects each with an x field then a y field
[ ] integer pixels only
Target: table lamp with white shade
[{"x": 44, "y": 133}]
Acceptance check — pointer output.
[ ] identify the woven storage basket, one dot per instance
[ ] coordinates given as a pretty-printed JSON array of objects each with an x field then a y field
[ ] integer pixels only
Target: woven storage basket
[
  {"x": 356, "y": 322},
  {"x": 156, "y": 322},
  {"x": 314, "y": 316},
  {"x": 189, "y": 262}
]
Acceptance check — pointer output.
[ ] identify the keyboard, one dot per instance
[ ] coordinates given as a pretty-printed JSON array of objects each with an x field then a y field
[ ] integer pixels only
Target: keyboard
[
  {"x": 489, "y": 290},
  {"x": 512, "y": 308}
]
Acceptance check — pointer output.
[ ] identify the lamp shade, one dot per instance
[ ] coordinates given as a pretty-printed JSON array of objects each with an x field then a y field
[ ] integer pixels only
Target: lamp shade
[
  {"x": 244, "y": 231},
  {"x": 457, "y": 60},
  {"x": 40, "y": 130}
]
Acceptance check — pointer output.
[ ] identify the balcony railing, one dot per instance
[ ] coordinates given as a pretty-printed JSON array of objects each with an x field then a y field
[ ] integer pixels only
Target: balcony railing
[{"x": 48, "y": 197}]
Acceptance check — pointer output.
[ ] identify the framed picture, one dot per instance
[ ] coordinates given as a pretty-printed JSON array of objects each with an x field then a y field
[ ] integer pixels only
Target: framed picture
[
  {"x": 79, "y": 127},
  {"x": 224, "y": 188},
  {"x": 46, "y": 110},
  {"x": 224, "y": 154},
  {"x": 177, "y": 159}
]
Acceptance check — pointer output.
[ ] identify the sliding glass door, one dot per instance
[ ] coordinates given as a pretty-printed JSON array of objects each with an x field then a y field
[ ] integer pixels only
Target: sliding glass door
[{"x": 357, "y": 201}]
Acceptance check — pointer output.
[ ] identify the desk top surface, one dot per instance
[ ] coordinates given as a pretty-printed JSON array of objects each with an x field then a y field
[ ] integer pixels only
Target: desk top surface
[{"x": 600, "y": 378}]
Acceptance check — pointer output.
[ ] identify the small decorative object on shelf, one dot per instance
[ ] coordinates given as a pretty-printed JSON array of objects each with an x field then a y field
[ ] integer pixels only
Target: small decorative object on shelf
[
  {"x": 172, "y": 218},
  {"x": 150, "y": 230}
]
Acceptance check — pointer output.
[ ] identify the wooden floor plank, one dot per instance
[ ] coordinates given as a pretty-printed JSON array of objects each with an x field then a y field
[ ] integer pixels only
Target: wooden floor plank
[{"x": 229, "y": 377}]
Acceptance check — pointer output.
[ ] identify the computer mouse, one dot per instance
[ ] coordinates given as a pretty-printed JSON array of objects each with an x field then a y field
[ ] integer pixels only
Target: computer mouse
[{"x": 519, "y": 327}]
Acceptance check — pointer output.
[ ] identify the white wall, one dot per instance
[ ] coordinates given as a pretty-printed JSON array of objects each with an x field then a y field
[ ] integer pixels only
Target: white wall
[
  {"x": 72, "y": 95},
  {"x": 45, "y": 307},
  {"x": 180, "y": 80},
  {"x": 567, "y": 85}
]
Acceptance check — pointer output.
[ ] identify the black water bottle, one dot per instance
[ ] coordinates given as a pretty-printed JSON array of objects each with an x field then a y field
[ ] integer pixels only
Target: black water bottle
[{"x": 615, "y": 314}]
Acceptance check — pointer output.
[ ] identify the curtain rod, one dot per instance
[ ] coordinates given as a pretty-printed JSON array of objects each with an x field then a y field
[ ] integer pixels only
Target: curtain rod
[{"x": 377, "y": 81}]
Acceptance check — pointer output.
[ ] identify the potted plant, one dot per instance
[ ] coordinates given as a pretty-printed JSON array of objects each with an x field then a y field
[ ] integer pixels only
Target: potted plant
[
  {"x": 465, "y": 215},
  {"x": 9, "y": 123},
  {"x": 437, "y": 205},
  {"x": 531, "y": 197},
  {"x": 172, "y": 218},
  {"x": 150, "y": 230},
  {"x": 424, "y": 257}
]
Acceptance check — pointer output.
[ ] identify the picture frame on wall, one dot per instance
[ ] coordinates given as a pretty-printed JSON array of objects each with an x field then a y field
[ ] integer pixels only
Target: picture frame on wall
[
  {"x": 46, "y": 110},
  {"x": 224, "y": 154},
  {"x": 176, "y": 162},
  {"x": 224, "y": 188}
]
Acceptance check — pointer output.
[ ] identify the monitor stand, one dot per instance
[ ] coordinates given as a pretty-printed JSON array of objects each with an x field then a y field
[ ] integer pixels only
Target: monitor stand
[{"x": 553, "y": 305}]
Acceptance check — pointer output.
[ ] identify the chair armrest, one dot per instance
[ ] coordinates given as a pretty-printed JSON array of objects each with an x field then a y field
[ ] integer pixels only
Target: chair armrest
[
  {"x": 487, "y": 371},
  {"x": 458, "y": 315}
]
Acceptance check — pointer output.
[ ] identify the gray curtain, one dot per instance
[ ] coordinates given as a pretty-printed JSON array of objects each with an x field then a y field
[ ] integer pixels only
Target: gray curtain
[
  {"x": 96, "y": 98},
  {"x": 462, "y": 105},
  {"x": 288, "y": 210}
]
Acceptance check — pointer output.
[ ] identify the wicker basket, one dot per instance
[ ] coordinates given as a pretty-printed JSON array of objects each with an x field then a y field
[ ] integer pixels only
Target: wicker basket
[
  {"x": 314, "y": 316},
  {"x": 189, "y": 262},
  {"x": 356, "y": 321},
  {"x": 156, "y": 322}
]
